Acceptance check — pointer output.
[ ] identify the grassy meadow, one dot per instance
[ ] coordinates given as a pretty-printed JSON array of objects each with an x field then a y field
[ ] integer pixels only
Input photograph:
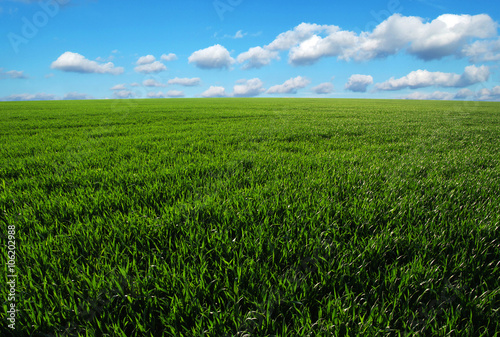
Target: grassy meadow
[{"x": 251, "y": 217}]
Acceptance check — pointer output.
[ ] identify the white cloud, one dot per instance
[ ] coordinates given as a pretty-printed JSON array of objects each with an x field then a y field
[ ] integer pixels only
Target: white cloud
[
  {"x": 239, "y": 35},
  {"x": 257, "y": 57},
  {"x": 123, "y": 94},
  {"x": 146, "y": 60},
  {"x": 489, "y": 94},
  {"x": 154, "y": 67},
  {"x": 214, "y": 91},
  {"x": 45, "y": 97},
  {"x": 310, "y": 42},
  {"x": 248, "y": 88},
  {"x": 323, "y": 88},
  {"x": 102, "y": 59},
  {"x": 76, "y": 96},
  {"x": 290, "y": 86},
  {"x": 359, "y": 83},
  {"x": 187, "y": 82},
  {"x": 447, "y": 35},
  {"x": 388, "y": 38},
  {"x": 424, "y": 78},
  {"x": 152, "y": 83},
  {"x": 472, "y": 75},
  {"x": 158, "y": 94},
  {"x": 338, "y": 43},
  {"x": 175, "y": 93},
  {"x": 30, "y": 97},
  {"x": 74, "y": 62},
  {"x": 12, "y": 74},
  {"x": 464, "y": 93},
  {"x": 171, "y": 93},
  {"x": 215, "y": 57},
  {"x": 299, "y": 34},
  {"x": 135, "y": 84},
  {"x": 481, "y": 95},
  {"x": 169, "y": 57},
  {"x": 118, "y": 87},
  {"x": 436, "y": 95},
  {"x": 483, "y": 51}
]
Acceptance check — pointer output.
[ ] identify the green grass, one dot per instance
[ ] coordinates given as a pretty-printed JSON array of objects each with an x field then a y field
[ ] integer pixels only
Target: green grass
[{"x": 252, "y": 217}]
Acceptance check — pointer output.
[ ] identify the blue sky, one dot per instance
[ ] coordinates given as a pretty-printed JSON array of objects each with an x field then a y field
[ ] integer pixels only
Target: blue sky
[{"x": 415, "y": 49}]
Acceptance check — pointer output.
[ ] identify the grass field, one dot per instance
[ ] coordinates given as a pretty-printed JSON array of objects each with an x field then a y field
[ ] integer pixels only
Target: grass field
[{"x": 251, "y": 217}]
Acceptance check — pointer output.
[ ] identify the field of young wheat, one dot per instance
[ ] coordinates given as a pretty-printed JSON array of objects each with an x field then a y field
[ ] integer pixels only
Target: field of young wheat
[{"x": 250, "y": 217}]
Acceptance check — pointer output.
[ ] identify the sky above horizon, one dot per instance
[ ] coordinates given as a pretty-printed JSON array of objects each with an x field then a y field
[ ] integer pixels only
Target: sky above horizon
[{"x": 99, "y": 49}]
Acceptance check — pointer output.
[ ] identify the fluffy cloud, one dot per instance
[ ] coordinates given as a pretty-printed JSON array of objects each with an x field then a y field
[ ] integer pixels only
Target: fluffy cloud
[
  {"x": 464, "y": 93},
  {"x": 481, "y": 95},
  {"x": 257, "y": 57},
  {"x": 248, "y": 88},
  {"x": 215, "y": 57},
  {"x": 489, "y": 94},
  {"x": 171, "y": 93},
  {"x": 290, "y": 86},
  {"x": 359, "y": 83},
  {"x": 447, "y": 35},
  {"x": 187, "y": 82},
  {"x": 169, "y": 57},
  {"x": 148, "y": 64},
  {"x": 299, "y": 34},
  {"x": 30, "y": 97},
  {"x": 175, "y": 93},
  {"x": 473, "y": 75},
  {"x": 214, "y": 91},
  {"x": 74, "y": 62},
  {"x": 123, "y": 94},
  {"x": 437, "y": 95},
  {"x": 424, "y": 78},
  {"x": 483, "y": 51},
  {"x": 12, "y": 74},
  {"x": 46, "y": 97},
  {"x": 239, "y": 35},
  {"x": 152, "y": 83},
  {"x": 119, "y": 87},
  {"x": 339, "y": 43},
  {"x": 145, "y": 60},
  {"x": 149, "y": 68},
  {"x": 323, "y": 88},
  {"x": 158, "y": 94},
  {"x": 76, "y": 96}
]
